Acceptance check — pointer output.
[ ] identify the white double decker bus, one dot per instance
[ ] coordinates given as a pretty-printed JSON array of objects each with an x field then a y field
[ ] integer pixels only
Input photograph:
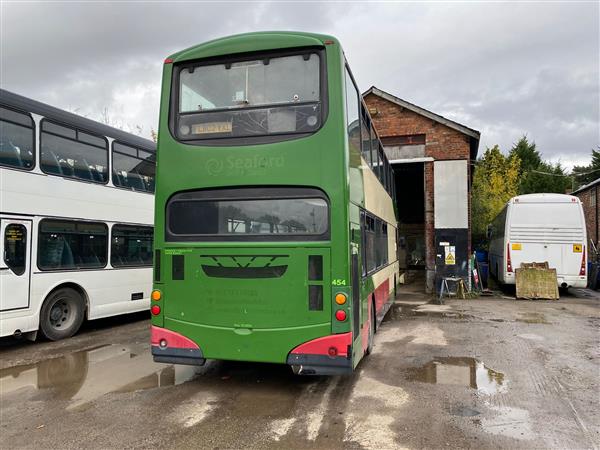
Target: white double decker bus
[{"x": 76, "y": 213}]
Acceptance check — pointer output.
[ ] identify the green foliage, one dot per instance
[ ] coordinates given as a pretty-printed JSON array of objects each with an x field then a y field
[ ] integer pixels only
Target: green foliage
[
  {"x": 587, "y": 174},
  {"x": 495, "y": 181},
  {"x": 530, "y": 158},
  {"x": 546, "y": 177},
  {"x": 537, "y": 175}
]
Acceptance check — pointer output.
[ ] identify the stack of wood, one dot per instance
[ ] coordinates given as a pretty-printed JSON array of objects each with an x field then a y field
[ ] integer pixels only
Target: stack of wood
[{"x": 536, "y": 281}]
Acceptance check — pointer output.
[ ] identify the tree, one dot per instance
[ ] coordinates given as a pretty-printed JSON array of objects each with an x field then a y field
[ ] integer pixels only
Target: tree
[
  {"x": 536, "y": 175},
  {"x": 547, "y": 177},
  {"x": 587, "y": 174},
  {"x": 495, "y": 182},
  {"x": 528, "y": 155}
]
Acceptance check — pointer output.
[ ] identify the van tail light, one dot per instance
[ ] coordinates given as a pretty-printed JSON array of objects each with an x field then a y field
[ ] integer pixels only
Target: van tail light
[
  {"x": 582, "y": 270},
  {"x": 508, "y": 261}
]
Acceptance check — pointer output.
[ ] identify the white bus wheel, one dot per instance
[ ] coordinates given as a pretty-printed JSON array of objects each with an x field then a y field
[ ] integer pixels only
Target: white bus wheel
[{"x": 62, "y": 314}]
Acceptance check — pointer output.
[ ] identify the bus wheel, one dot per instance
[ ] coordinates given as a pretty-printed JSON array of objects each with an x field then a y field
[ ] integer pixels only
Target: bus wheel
[
  {"x": 371, "y": 330},
  {"x": 62, "y": 314}
]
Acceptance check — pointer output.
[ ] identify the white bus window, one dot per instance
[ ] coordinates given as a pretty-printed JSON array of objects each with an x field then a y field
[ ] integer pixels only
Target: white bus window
[
  {"x": 133, "y": 168},
  {"x": 15, "y": 247},
  {"x": 72, "y": 245},
  {"x": 16, "y": 139},
  {"x": 74, "y": 154},
  {"x": 131, "y": 246}
]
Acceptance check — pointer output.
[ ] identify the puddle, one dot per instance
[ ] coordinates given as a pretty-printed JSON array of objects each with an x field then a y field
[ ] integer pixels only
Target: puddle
[
  {"x": 87, "y": 375},
  {"x": 532, "y": 318},
  {"x": 468, "y": 372},
  {"x": 463, "y": 411},
  {"x": 442, "y": 311}
]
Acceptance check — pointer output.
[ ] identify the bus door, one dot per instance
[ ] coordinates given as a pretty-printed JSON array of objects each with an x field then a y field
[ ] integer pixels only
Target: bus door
[{"x": 15, "y": 264}]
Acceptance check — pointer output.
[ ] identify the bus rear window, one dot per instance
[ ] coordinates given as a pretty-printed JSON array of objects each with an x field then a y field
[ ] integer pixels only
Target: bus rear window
[
  {"x": 198, "y": 217},
  {"x": 256, "y": 97}
]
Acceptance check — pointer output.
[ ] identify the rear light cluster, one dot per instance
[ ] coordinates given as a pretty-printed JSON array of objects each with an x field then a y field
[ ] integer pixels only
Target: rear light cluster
[
  {"x": 508, "y": 261},
  {"x": 340, "y": 299},
  {"x": 340, "y": 315},
  {"x": 582, "y": 270},
  {"x": 156, "y": 296}
]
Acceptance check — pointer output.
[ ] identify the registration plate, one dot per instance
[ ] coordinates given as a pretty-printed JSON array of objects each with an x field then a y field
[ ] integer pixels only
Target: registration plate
[{"x": 212, "y": 127}]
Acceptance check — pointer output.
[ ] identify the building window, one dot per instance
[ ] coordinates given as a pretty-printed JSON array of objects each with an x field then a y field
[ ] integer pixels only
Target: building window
[{"x": 409, "y": 139}]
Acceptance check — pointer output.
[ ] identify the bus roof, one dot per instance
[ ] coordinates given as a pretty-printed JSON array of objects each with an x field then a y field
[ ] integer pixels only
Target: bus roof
[
  {"x": 17, "y": 101},
  {"x": 544, "y": 198},
  {"x": 251, "y": 42}
]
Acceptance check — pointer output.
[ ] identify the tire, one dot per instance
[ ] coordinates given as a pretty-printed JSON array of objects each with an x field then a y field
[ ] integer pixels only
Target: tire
[
  {"x": 371, "y": 339},
  {"x": 62, "y": 314}
]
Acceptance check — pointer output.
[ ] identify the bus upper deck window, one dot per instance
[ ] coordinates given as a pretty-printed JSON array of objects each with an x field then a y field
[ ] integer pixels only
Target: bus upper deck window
[{"x": 257, "y": 97}]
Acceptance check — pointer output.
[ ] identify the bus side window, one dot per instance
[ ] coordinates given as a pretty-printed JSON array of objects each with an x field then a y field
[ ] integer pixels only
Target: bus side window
[
  {"x": 131, "y": 246},
  {"x": 15, "y": 247},
  {"x": 363, "y": 243},
  {"x": 65, "y": 244},
  {"x": 71, "y": 153},
  {"x": 133, "y": 168},
  {"x": 16, "y": 139}
]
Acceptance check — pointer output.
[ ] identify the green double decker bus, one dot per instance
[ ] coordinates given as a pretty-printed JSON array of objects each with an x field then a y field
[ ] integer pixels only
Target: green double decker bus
[{"x": 275, "y": 228}]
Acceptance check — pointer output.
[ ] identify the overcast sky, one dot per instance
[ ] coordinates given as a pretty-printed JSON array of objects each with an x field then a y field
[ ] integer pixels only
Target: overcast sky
[{"x": 505, "y": 69}]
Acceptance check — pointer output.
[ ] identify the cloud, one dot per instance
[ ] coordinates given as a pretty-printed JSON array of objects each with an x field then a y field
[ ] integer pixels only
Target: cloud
[{"x": 504, "y": 69}]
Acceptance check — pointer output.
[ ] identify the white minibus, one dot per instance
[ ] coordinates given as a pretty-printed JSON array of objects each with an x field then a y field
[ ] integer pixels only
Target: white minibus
[{"x": 540, "y": 228}]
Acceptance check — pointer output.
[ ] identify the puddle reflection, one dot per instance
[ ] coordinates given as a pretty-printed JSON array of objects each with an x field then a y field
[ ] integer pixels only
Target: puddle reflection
[
  {"x": 86, "y": 375},
  {"x": 468, "y": 372}
]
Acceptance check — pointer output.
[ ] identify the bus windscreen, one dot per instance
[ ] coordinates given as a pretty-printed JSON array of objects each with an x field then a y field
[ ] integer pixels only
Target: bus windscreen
[{"x": 257, "y": 97}]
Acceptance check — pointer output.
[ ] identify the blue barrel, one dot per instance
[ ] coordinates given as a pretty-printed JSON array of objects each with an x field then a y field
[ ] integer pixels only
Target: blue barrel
[
  {"x": 481, "y": 255},
  {"x": 484, "y": 269}
]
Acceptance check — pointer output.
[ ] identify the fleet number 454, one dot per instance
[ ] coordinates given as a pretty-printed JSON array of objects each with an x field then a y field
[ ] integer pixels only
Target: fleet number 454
[{"x": 338, "y": 282}]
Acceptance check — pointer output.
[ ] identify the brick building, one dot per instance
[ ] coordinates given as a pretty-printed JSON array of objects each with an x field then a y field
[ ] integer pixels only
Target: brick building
[
  {"x": 431, "y": 157},
  {"x": 588, "y": 195}
]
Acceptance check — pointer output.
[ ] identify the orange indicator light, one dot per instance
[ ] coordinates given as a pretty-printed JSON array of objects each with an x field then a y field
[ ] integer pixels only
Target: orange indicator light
[{"x": 340, "y": 298}]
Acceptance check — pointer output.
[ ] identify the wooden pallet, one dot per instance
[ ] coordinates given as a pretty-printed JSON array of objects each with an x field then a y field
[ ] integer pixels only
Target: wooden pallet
[{"x": 536, "y": 281}]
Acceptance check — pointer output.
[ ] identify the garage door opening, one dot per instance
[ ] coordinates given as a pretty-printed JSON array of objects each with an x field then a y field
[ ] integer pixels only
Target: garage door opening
[{"x": 410, "y": 194}]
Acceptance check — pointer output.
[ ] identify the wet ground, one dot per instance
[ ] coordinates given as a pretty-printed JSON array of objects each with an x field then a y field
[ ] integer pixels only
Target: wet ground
[{"x": 491, "y": 372}]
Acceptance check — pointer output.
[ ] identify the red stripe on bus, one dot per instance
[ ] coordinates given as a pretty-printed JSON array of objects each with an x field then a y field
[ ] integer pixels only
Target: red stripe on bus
[
  {"x": 320, "y": 346},
  {"x": 382, "y": 294},
  {"x": 174, "y": 340}
]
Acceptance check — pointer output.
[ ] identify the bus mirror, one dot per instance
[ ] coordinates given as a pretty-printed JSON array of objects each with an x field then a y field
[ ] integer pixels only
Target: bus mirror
[{"x": 489, "y": 231}]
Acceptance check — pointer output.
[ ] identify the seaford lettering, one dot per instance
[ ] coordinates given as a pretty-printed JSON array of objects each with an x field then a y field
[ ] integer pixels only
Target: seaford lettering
[
  {"x": 256, "y": 162},
  {"x": 216, "y": 166}
]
